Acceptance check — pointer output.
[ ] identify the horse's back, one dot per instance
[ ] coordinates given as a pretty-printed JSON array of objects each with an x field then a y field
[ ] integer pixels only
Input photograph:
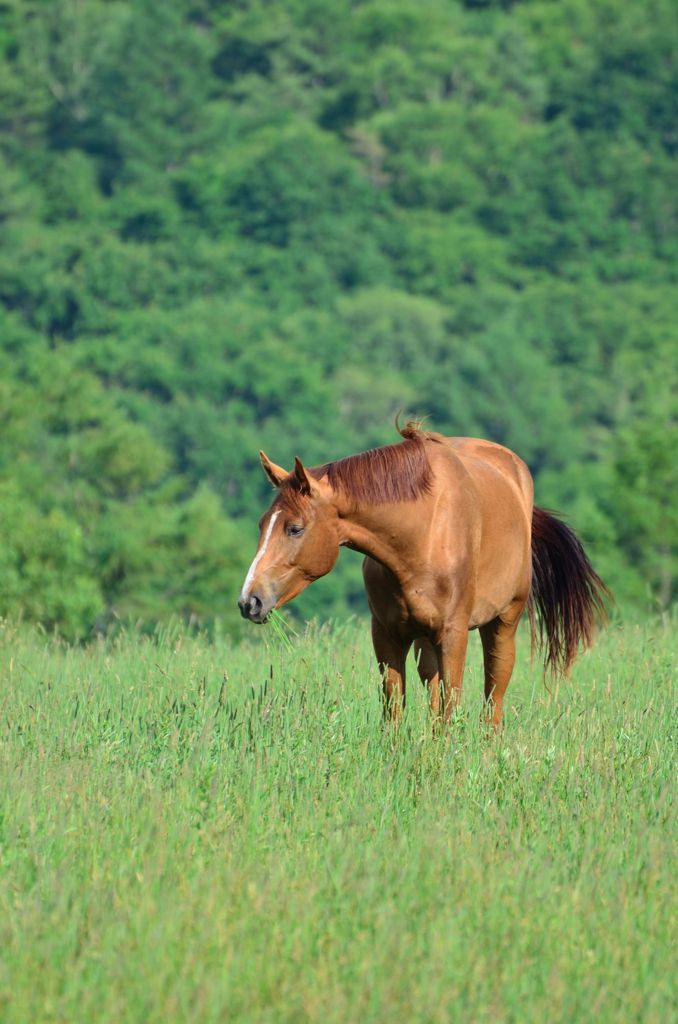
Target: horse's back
[{"x": 476, "y": 454}]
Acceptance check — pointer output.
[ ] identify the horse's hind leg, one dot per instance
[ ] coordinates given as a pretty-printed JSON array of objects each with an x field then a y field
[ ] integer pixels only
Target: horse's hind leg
[
  {"x": 499, "y": 649},
  {"x": 427, "y": 667}
]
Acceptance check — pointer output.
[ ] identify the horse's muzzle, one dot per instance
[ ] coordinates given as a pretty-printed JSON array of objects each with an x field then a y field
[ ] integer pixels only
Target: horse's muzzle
[{"x": 252, "y": 608}]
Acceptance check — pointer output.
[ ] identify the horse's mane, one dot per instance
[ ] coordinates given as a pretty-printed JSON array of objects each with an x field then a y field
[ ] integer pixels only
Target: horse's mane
[{"x": 380, "y": 476}]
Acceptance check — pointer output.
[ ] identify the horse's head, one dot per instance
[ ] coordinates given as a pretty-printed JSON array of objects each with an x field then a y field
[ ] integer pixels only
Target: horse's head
[{"x": 298, "y": 541}]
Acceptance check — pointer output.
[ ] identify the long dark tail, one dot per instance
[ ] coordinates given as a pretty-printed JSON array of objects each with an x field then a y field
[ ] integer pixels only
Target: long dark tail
[{"x": 567, "y": 593}]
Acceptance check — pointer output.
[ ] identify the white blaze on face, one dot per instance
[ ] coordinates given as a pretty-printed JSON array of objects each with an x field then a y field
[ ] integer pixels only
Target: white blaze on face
[{"x": 244, "y": 593}]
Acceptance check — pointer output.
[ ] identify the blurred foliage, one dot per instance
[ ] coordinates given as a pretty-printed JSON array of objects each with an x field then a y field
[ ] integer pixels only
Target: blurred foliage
[{"x": 229, "y": 226}]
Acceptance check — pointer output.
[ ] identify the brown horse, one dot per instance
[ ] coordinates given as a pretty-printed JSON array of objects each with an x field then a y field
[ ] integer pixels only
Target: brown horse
[{"x": 452, "y": 543}]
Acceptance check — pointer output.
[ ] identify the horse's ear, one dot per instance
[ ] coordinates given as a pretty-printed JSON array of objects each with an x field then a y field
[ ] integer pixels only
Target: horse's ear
[
  {"x": 307, "y": 484},
  {"x": 276, "y": 474}
]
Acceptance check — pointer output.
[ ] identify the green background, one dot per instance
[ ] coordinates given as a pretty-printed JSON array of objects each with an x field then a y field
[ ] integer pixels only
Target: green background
[{"x": 228, "y": 226}]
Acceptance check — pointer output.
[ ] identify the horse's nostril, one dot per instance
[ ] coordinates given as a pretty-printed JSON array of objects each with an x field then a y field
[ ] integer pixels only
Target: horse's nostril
[{"x": 250, "y": 606}]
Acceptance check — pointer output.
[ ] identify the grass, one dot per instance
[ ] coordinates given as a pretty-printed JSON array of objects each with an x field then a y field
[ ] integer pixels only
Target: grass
[{"x": 194, "y": 831}]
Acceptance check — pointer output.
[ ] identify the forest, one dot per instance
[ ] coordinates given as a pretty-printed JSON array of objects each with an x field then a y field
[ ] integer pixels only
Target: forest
[{"x": 237, "y": 225}]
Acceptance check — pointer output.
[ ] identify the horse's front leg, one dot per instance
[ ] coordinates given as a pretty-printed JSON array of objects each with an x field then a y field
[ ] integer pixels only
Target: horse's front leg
[
  {"x": 429, "y": 672},
  {"x": 451, "y": 650},
  {"x": 391, "y": 653}
]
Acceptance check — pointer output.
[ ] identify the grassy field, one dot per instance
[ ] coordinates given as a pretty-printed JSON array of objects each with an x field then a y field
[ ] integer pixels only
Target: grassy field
[{"x": 194, "y": 831}]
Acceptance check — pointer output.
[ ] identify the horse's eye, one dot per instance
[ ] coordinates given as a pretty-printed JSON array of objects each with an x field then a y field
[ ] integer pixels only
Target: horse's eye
[{"x": 294, "y": 529}]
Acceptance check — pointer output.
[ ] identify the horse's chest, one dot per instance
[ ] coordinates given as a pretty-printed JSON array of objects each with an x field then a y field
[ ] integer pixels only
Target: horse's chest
[{"x": 414, "y": 607}]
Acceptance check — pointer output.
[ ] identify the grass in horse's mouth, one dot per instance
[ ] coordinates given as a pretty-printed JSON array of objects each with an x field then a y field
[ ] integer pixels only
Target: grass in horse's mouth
[{"x": 281, "y": 628}]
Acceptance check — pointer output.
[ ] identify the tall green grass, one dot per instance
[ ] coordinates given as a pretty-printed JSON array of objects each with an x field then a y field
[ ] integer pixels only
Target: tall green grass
[{"x": 194, "y": 831}]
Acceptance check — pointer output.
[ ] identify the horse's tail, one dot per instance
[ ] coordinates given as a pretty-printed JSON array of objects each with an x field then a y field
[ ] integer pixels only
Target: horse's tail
[{"x": 567, "y": 593}]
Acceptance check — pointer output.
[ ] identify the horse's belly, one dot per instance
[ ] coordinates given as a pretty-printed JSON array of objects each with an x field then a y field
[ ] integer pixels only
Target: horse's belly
[{"x": 487, "y": 608}]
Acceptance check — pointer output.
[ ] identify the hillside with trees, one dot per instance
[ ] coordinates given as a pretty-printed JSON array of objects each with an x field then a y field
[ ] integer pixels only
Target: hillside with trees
[{"x": 233, "y": 226}]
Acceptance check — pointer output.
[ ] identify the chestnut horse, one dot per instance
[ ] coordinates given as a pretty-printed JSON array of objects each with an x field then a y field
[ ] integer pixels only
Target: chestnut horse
[{"x": 452, "y": 543}]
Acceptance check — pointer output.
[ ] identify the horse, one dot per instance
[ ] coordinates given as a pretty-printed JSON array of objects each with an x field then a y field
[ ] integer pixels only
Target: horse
[{"x": 452, "y": 542}]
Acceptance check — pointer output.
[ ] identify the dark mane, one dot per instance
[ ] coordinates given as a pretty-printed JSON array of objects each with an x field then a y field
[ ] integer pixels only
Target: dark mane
[
  {"x": 380, "y": 476},
  {"x": 396, "y": 472}
]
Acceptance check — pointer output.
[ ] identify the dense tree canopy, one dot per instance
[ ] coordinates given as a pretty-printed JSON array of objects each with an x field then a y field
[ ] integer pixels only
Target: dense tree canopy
[{"x": 237, "y": 225}]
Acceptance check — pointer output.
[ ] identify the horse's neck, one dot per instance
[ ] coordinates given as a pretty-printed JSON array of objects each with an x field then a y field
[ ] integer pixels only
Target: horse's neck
[{"x": 386, "y": 533}]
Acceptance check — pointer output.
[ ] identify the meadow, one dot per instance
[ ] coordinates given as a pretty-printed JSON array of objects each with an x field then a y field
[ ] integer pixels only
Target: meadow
[{"x": 199, "y": 830}]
